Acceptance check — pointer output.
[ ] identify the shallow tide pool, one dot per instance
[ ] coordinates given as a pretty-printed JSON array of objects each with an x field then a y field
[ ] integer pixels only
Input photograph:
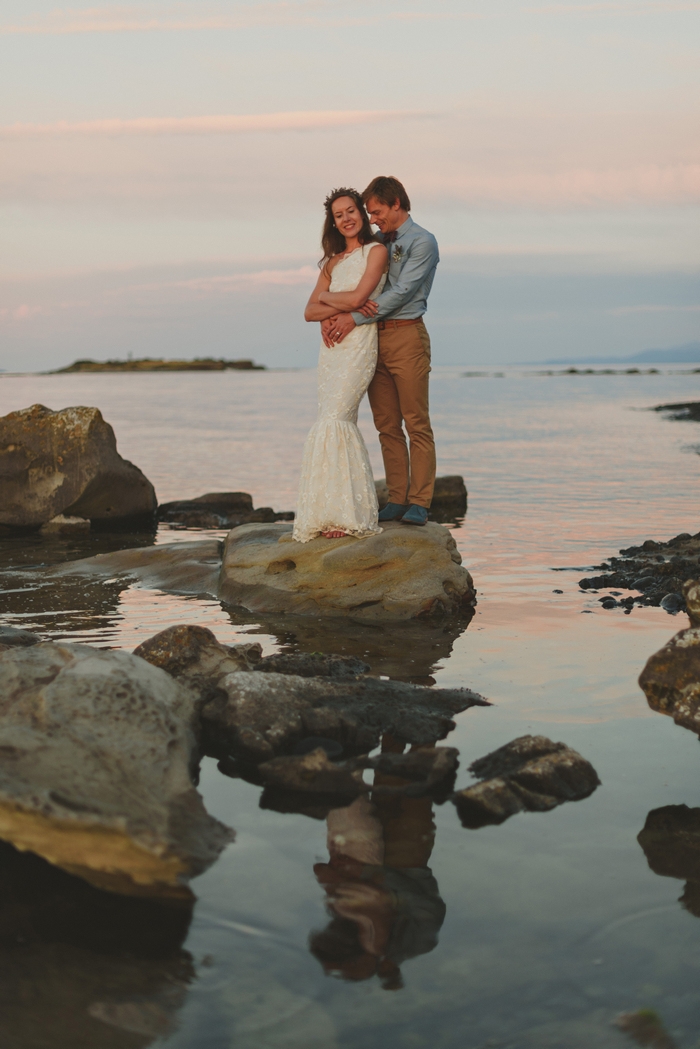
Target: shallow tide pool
[{"x": 536, "y": 933}]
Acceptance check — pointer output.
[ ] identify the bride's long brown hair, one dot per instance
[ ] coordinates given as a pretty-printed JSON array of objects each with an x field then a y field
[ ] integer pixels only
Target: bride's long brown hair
[{"x": 332, "y": 240}]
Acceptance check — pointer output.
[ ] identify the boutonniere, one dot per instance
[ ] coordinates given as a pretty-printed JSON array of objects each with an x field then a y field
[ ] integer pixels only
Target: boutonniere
[{"x": 398, "y": 253}]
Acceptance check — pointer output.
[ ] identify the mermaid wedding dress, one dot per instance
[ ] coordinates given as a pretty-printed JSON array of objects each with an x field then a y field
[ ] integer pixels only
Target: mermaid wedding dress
[{"x": 336, "y": 491}]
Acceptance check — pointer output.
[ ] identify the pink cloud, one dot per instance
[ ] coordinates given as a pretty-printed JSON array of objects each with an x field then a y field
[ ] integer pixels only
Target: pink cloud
[{"x": 308, "y": 120}]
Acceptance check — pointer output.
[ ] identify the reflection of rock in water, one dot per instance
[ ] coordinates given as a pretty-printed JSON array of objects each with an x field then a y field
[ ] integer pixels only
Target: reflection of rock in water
[
  {"x": 410, "y": 651},
  {"x": 671, "y": 843},
  {"x": 81, "y": 968},
  {"x": 67, "y": 604}
]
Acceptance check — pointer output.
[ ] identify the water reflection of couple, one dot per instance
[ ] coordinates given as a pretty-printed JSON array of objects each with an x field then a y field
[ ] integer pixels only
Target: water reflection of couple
[
  {"x": 383, "y": 899},
  {"x": 370, "y": 299}
]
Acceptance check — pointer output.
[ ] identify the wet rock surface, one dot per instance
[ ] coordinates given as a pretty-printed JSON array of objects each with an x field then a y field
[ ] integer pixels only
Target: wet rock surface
[
  {"x": 81, "y": 968},
  {"x": 685, "y": 410},
  {"x": 531, "y": 773},
  {"x": 671, "y": 678},
  {"x": 256, "y": 717},
  {"x": 399, "y": 574},
  {"x": 179, "y": 568},
  {"x": 12, "y": 637},
  {"x": 97, "y": 750},
  {"x": 66, "y": 463},
  {"x": 313, "y": 664},
  {"x": 657, "y": 570},
  {"x": 218, "y": 510}
]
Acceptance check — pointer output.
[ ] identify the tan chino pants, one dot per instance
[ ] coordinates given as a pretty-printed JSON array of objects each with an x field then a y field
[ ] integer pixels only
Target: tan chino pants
[{"x": 398, "y": 394}]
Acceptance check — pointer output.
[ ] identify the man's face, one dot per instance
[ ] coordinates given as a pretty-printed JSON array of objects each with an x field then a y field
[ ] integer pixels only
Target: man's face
[{"x": 386, "y": 217}]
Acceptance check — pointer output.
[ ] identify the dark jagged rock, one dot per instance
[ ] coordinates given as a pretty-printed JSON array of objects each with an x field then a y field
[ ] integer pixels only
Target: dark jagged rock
[
  {"x": 657, "y": 570},
  {"x": 218, "y": 510},
  {"x": 256, "y": 717},
  {"x": 684, "y": 410},
  {"x": 671, "y": 678},
  {"x": 313, "y": 664},
  {"x": 66, "y": 463},
  {"x": 529, "y": 774},
  {"x": 670, "y": 839}
]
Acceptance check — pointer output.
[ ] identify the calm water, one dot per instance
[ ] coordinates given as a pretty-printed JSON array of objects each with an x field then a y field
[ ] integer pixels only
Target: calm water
[{"x": 554, "y": 922}]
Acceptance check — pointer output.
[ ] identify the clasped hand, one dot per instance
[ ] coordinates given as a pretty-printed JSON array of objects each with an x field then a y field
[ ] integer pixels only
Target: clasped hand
[{"x": 334, "y": 330}]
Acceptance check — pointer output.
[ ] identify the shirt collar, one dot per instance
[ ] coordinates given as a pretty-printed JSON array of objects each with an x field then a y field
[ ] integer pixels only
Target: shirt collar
[{"x": 405, "y": 227}]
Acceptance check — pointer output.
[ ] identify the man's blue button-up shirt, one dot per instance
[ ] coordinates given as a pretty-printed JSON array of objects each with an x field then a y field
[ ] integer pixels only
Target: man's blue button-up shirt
[{"x": 413, "y": 259}]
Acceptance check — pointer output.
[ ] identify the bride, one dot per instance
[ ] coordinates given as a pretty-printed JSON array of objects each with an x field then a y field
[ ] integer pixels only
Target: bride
[{"x": 337, "y": 496}]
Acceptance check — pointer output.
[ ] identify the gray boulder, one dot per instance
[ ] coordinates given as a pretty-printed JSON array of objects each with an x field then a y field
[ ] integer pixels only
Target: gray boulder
[
  {"x": 529, "y": 774},
  {"x": 66, "y": 463},
  {"x": 97, "y": 751}
]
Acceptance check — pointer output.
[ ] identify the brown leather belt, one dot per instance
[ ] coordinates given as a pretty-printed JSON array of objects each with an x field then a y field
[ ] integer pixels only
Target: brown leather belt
[{"x": 383, "y": 325}]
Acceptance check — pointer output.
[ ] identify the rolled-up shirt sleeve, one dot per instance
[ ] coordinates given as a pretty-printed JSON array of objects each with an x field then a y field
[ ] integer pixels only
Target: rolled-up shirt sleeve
[{"x": 422, "y": 259}]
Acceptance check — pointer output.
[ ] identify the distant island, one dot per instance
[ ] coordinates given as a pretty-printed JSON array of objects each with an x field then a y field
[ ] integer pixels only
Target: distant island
[
  {"x": 160, "y": 364},
  {"x": 688, "y": 353}
]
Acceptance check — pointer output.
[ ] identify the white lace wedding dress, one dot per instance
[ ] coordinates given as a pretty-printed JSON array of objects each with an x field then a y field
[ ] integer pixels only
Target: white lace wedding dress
[{"x": 336, "y": 491}]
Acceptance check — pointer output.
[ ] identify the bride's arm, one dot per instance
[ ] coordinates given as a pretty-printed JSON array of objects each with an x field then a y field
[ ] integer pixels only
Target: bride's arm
[
  {"x": 314, "y": 310},
  {"x": 345, "y": 301}
]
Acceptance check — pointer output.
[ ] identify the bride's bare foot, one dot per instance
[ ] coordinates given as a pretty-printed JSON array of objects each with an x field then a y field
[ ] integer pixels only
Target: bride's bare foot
[{"x": 333, "y": 535}]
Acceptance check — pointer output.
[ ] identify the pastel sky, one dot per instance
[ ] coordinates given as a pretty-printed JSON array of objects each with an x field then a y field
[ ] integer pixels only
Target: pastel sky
[{"x": 163, "y": 167}]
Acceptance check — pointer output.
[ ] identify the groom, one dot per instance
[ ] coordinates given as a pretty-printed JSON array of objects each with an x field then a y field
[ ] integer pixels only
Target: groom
[{"x": 398, "y": 393}]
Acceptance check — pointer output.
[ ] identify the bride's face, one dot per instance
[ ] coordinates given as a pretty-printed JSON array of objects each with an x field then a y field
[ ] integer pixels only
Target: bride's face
[{"x": 347, "y": 217}]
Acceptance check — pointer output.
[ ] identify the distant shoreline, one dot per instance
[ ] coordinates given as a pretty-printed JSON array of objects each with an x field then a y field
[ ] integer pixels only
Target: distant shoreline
[{"x": 159, "y": 364}]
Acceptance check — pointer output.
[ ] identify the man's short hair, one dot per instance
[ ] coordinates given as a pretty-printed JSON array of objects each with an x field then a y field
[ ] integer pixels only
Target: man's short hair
[{"x": 388, "y": 190}]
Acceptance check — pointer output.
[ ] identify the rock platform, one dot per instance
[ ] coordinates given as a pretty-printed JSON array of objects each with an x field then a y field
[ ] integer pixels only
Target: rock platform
[{"x": 404, "y": 573}]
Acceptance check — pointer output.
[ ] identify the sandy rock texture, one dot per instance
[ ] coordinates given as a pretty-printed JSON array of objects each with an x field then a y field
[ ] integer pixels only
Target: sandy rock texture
[
  {"x": 97, "y": 749},
  {"x": 400, "y": 574},
  {"x": 66, "y": 463},
  {"x": 671, "y": 678},
  {"x": 529, "y": 774}
]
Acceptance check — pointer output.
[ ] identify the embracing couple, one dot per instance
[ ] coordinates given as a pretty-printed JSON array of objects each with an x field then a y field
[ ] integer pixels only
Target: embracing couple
[{"x": 370, "y": 299}]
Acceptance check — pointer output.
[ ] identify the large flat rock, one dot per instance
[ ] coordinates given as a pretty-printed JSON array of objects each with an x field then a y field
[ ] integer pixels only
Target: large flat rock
[
  {"x": 402, "y": 573},
  {"x": 66, "y": 462},
  {"x": 97, "y": 749}
]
